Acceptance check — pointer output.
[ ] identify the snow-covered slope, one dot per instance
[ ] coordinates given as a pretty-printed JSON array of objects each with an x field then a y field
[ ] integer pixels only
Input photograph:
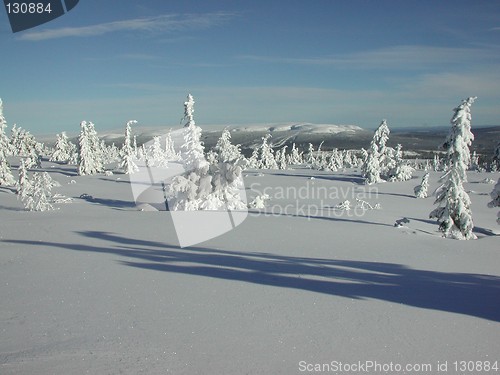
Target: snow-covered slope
[{"x": 99, "y": 287}]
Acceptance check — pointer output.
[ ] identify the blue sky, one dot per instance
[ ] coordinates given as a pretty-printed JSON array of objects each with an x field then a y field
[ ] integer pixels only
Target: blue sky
[{"x": 252, "y": 61}]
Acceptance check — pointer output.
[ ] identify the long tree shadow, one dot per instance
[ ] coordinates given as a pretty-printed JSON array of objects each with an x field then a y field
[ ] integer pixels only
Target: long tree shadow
[{"x": 462, "y": 293}]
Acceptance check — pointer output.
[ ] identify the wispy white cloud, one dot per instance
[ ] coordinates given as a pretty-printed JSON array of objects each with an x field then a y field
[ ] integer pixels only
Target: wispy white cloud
[
  {"x": 161, "y": 23},
  {"x": 402, "y": 57}
]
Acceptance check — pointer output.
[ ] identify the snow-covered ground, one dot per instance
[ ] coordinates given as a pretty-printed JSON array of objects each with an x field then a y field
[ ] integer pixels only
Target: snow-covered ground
[{"x": 99, "y": 287}]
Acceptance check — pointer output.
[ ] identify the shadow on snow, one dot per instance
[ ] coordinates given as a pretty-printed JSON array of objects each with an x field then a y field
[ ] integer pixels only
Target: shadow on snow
[{"x": 462, "y": 293}]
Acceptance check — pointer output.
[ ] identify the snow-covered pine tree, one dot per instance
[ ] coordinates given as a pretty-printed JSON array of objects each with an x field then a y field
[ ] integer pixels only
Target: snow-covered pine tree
[
  {"x": 128, "y": 153},
  {"x": 402, "y": 171},
  {"x": 22, "y": 180},
  {"x": 378, "y": 148},
  {"x": 281, "y": 157},
  {"x": 295, "y": 157},
  {"x": 89, "y": 150},
  {"x": 156, "y": 155},
  {"x": 267, "y": 160},
  {"x": 4, "y": 139},
  {"x": 63, "y": 149},
  {"x": 421, "y": 190},
  {"x": 386, "y": 154},
  {"x": 496, "y": 158},
  {"x": 37, "y": 195},
  {"x": 203, "y": 187},
  {"x": 188, "y": 191},
  {"x": 474, "y": 162},
  {"x": 371, "y": 167},
  {"x": 170, "y": 153},
  {"x": 495, "y": 198},
  {"x": 453, "y": 212},
  {"x": 381, "y": 136},
  {"x": 253, "y": 162},
  {"x": 225, "y": 149},
  {"x": 6, "y": 177},
  {"x": 310, "y": 159}
]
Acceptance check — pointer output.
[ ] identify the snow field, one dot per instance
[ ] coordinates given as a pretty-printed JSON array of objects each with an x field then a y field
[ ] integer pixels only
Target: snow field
[{"x": 99, "y": 287}]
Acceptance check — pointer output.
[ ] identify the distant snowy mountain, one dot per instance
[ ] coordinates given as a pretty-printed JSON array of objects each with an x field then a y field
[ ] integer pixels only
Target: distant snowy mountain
[{"x": 302, "y": 133}]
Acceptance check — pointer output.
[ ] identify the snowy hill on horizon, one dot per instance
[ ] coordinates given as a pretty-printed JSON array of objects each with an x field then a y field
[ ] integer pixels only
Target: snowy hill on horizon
[{"x": 421, "y": 140}]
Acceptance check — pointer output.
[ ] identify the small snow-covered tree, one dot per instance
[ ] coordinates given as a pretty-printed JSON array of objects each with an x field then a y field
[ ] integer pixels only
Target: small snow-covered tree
[
  {"x": 281, "y": 158},
  {"x": 421, "y": 190},
  {"x": 63, "y": 149},
  {"x": 187, "y": 191},
  {"x": 267, "y": 160},
  {"x": 496, "y": 158},
  {"x": 37, "y": 195},
  {"x": 225, "y": 149},
  {"x": 495, "y": 198},
  {"x": 128, "y": 153},
  {"x": 401, "y": 171},
  {"x": 4, "y": 139},
  {"x": 89, "y": 150},
  {"x": 204, "y": 186},
  {"x": 156, "y": 155},
  {"x": 170, "y": 153},
  {"x": 453, "y": 212},
  {"x": 6, "y": 177},
  {"x": 384, "y": 155},
  {"x": 310, "y": 159},
  {"x": 253, "y": 162},
  {"x": 295, "y": 157},
  {"x": 23, "y": 179},
  {"x": 371, "y": 167}
]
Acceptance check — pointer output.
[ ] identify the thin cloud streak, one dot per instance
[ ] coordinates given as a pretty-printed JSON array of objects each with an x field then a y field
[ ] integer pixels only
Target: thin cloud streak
[
  {"x": 162, "y": 23},
  {"x": 401, "y": 57}
]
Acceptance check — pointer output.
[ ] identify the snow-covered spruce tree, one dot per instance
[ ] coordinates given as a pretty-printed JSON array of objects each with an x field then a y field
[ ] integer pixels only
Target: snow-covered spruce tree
[
  {"x": 22, "y": 179},
  {"x": 295, "y": 157},
  {"x": 188, "y": 191},
  {"x": 267, "y": 160},
  {"x": 281, "y": 158},
  {"x": 402, "y": 171},
  {"x": 310, "y": 159},
  {"x": 383, "y": 153},
  {"x": 474, "y": 162},
  {"x": 253, "y": 162},
  {"x": 453, "y": 212},
  {"x": 89, "y": 150},
  {"x": 6, "y": 177},
  {"x": 37, "y": 195},
  {"x": 202, "y": 187},
  {"x": 225, "y": 149},
  {"x": 371, "y": 167},
  {"x": 63, "y": 149},
  {"x": 4, "y": 139},
  {"x": 156, "y": 155},
  {"x": 380, "y": 138},
  {"x": 170, "y": 153},
  {"x": 128, "y": 153},
  {"x": 421, "y": 190},
  {"x": 495, "y": 198},
  {"x": 496, "y": 158}
]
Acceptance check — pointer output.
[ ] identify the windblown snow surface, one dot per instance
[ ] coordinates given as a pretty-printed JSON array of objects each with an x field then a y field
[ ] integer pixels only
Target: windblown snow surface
[{"x": 99, "y": 287}]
